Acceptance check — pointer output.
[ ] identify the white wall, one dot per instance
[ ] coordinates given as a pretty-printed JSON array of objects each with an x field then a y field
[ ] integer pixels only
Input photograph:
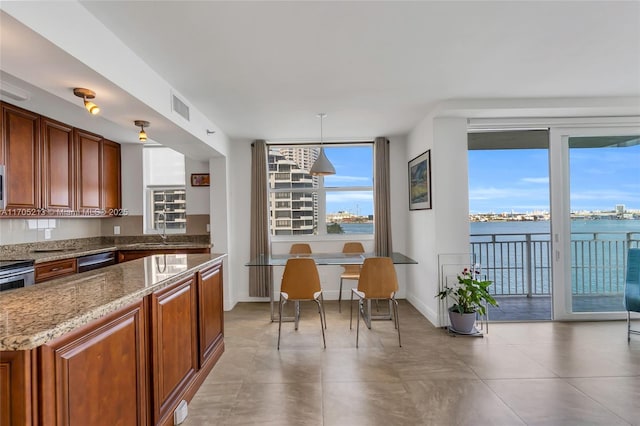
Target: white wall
[{"x": 197, "y": 196}]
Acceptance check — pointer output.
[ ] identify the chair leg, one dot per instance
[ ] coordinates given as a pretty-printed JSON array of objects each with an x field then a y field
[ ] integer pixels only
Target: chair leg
[
  {"x": 280, "y": 320},
  {"x": 323, "y": 324},
  {"x": 296, "y": 314},
  {"x": 351, "y": 311},
  {"x": 360, "y": 305},
  {"x": 324, "y": 314},
  {"x": 396, "y": 319},
  {"x": 340, "y": 296},
  {"x": 628, "y": 326}
]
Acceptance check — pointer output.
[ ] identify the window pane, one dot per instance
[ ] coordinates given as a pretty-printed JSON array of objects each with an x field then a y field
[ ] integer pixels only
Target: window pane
[
  {"x": 299, "y": 203},
  {"x": 353, "y": 164},
  {"x": 349, "y": 212}
]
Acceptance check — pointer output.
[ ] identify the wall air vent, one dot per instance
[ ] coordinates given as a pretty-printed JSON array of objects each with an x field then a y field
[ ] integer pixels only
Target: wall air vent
[{"x": 178, "y": 106}]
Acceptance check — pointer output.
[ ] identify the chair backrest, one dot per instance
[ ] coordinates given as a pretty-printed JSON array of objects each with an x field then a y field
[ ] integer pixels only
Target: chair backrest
[
  {"x": 301, "y": 279},
  {"x": 300, "y": 248},
  {"x": 632, "y": 281},
  {"x": 378, "y": 278},
  {"x": 352, "y": 247}
]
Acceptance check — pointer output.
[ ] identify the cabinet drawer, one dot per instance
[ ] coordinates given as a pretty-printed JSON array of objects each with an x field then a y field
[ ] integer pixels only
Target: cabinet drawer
[{"x": 58, "y": 268}]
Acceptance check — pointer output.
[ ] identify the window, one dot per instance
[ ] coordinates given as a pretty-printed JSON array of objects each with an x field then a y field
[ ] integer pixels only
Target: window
[
  {"x": 316, "y": 205},
  {"x": 164, "y": 177}
]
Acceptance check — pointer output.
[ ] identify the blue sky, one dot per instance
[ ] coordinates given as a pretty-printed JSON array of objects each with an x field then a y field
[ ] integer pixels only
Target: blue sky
[
  {"x": 354, "y": 167},
  {"x": 505, "y": 180}
]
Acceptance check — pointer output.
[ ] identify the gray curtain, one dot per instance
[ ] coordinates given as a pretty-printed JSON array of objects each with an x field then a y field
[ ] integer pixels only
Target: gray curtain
[
  {"x": 260, "y": 277},
  {"x": 382, "y": 202}
]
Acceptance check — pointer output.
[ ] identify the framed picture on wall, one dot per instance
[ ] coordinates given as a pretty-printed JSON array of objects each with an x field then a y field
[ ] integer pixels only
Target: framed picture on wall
[
  {"x": 200, "y": 179},
  {"x": 420, "y": 182}
]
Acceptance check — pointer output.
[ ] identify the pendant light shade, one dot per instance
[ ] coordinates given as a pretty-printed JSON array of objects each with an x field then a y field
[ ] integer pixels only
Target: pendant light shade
[
  {"x": 322, "y": 165},
  {"x": 142, "y": 135}
]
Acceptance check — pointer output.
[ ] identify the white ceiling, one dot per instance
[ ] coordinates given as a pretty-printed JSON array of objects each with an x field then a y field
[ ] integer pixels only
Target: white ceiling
[{"x": 264, "y": 69}]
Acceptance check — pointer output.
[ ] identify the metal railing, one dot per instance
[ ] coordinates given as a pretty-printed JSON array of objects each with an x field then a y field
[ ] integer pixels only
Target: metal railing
[{"x": 520, "y": 264}]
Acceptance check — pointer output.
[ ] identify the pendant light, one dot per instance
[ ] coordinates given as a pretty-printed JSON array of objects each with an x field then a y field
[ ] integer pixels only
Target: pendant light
[
  {"x": 142, "y": 135},
  {"x": 322, "y": 165}
]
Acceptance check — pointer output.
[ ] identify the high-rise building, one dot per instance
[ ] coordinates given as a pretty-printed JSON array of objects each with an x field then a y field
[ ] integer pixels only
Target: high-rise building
[{"x": 292, "y": 212}]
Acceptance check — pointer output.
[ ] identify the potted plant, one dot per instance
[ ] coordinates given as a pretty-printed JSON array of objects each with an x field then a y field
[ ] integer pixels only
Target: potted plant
[{"x": 470, "y": 296}]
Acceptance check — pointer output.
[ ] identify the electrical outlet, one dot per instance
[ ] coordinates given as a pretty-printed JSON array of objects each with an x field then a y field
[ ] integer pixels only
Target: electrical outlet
[
  {"x": 116, "y": 230},
  {"x": 47, "y": 234},
  {"x": 181, "y": 413}
]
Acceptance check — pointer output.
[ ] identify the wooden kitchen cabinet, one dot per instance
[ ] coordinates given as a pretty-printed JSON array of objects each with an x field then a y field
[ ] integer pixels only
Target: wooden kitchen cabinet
[
  {"x": 20, "y": 153},
  {"x": 89, "y": 172},
  {"x": 55, "y": 269},
  {"x": 58, "y": 171},
  {"x": 97, "y": 375},
  {"x": 111, "y": 194},
  {"x": 210, "y": 311},
  {"x": 17, "y": 387},
  {"x": 174, "y": 346},
  {"x": 54, "y": 170}
]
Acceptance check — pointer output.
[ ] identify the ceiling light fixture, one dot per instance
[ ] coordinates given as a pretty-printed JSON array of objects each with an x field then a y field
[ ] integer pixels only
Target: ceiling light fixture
[
  {"x": 142, "y": 136},
  {"x": 87, "y": 94},
  {"x": 322, "y": 165}
]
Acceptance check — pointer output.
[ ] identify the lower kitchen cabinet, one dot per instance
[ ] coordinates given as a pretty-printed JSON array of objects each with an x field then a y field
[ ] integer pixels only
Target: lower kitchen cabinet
[
  {"x": 17, "y": 395},
  {"x": 97, "y": 375},
  {"x": 130, "y": 367},
  {"x": 210, "y": 311},
  {"x": 54, "y": 269},
  {"x": 174, "y": 346}
]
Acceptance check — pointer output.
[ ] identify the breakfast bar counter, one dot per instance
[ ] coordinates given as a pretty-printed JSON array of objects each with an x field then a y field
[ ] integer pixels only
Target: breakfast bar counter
[
  {"x": 34, "y": 315},
  {"x": 125, "y": 344}
]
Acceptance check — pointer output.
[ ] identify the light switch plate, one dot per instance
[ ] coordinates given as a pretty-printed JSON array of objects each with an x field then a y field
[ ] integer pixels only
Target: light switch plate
[{"x": 47, "y": 234}]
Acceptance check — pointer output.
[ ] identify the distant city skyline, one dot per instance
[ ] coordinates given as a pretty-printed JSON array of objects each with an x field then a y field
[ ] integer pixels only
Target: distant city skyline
[{"x": 519, "y": 180}]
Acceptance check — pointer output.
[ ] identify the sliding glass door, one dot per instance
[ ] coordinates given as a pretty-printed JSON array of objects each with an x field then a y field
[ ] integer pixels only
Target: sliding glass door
[{"x": 597, "y": 186}]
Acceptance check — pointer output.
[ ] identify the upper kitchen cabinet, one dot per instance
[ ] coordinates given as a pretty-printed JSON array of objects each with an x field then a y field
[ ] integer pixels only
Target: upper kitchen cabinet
[
  {"x": 89, "y": 170},
  {"x": 55, "y": 170},
  {"x": 58, "y": 181},
  {"x": 20, "y": 153},
  {"x": 111, "y": 178}
]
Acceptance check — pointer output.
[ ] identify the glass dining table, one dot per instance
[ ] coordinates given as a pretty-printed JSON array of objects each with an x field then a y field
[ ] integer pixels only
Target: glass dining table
[{"x": 324, "y": 259}]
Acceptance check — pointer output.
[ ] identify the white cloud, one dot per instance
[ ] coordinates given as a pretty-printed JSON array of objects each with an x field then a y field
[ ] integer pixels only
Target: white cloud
[{"x": 536, "y": 180}]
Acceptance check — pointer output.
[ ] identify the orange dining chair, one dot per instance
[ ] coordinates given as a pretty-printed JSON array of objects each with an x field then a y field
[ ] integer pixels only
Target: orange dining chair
[
  {"x": 351, "y": 272},
  {"x": 300, "y": 248},
  {"x": 378, "y": 281},
  {"x": 301, "y": 281}
]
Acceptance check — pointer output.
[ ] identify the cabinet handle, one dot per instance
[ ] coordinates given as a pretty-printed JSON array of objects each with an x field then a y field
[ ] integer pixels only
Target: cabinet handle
[{"x": 56, "y": 269}]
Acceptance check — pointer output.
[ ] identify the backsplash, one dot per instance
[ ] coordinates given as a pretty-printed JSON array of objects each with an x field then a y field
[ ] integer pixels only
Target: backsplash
[{"x": 38, "y": 231}]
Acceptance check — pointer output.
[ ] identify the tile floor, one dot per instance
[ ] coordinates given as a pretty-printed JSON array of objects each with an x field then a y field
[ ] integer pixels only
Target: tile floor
[{"x": 518, "y": 374}]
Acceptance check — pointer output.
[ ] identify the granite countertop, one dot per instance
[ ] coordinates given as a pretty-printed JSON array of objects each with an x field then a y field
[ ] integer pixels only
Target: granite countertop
[
  {"x": 32, "y": 316},
  {"x": 40, "y": 255}
]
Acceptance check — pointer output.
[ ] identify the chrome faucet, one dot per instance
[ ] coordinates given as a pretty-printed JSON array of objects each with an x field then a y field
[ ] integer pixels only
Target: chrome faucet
[{"x": 164, "y": 227}]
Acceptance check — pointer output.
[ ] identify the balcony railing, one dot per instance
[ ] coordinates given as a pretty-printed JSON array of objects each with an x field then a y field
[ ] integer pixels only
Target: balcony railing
[{"x": 520, "y": 264}]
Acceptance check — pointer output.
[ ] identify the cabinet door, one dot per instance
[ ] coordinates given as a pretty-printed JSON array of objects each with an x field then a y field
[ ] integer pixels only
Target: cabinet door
[
  {"x": 89, "y": 172},
  {"x": 21, "y": 152},
  {"x": 210, "y": 311},
  {"x": 58, "y": 180},
  {"x": 16, "y": 388},
  {"x": 98, "y": 374},
  {"x": 174, "y": 345},
  {"x": 111, "y": 178}
]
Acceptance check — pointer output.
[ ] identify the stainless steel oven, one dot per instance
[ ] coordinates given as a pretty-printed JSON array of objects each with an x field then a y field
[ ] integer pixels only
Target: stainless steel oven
[{"x": 16, "y": 274}]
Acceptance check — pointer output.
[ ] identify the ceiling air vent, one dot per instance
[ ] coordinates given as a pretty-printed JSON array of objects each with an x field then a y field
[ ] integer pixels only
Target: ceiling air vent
[{"x": 179, "y": 107}]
